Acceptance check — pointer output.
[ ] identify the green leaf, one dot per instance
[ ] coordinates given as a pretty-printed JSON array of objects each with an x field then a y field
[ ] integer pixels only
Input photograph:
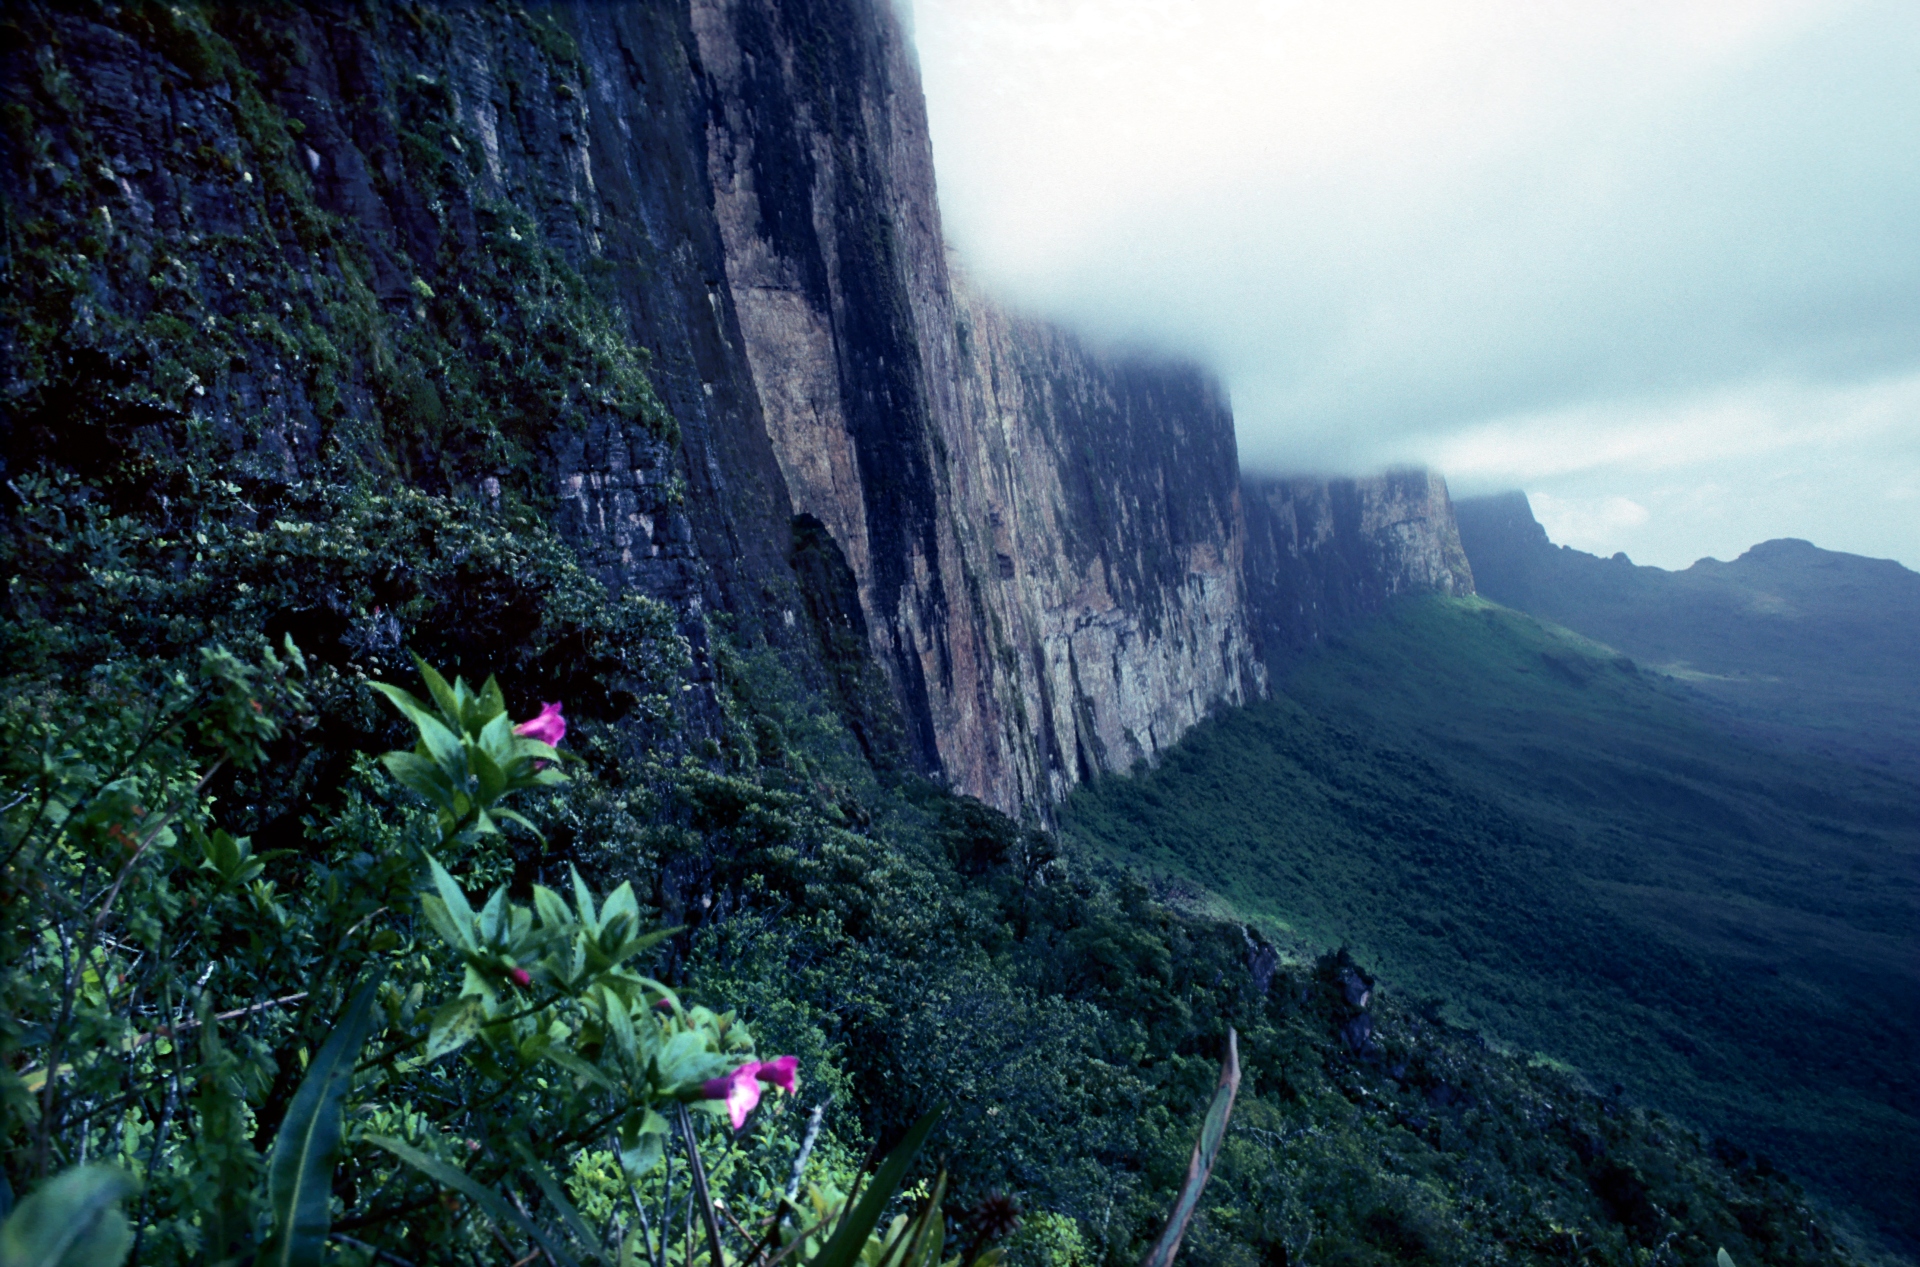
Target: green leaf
[
  {"x": 554, "y": 914},
  {"x": 458, "y": 911},
  {"x": 498, "y": 739},
  {"x": 72, "y": 1220},
  {"x": 300, "y": 1167},
  {"x": 454, "y": 1026},
  {"x": 1723, "y": 1258},
  {"x": 489, "y": 1201},
  {"x": 843, "y": 1249},
  {"x": 583, "y": 898},
  {"x": 620, "y": 1026},
  {"x": 512, "y": 817},
  {"x": 222, "y": 854},
  {"x": 576, "y": 1066},
  {"x": 620, "y": 903},
  {"x": 648, "y": 940},
  {"x": 410, "y": 707},
  {"x": 443, "y": 743},
  {"x": 520, "y": 940},
  {"x": 444, "y": 924},
  {"x": 527, "y": 750},
  {"x": 492, "y": 779},
  {"x": 1213, "y": 1133},
  {"x": 685, "y": 1060},
  {"x": 643, "y": 1143},
  {"x": 443, "y": 695},
  {"x": 493, "y": 702},
  {"x": 418, "y": 774},
  {"x": 493, "y": 918}
]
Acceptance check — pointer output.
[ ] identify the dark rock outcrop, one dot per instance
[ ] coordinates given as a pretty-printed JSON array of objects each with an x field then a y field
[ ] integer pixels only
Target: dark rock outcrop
[{"x": 1322, "y": 554}]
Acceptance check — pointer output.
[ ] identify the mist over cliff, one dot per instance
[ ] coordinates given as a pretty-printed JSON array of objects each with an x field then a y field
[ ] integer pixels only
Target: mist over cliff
[{"x": 1049, "y": 541}]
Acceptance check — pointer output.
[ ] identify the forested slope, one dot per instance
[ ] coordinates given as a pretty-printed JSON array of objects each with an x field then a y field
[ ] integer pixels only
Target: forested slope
[{"x": 1558, "y": 847}]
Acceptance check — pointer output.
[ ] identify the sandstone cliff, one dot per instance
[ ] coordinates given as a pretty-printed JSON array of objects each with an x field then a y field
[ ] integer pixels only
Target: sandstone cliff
[
  {"x": 1045, "y": 541},
  {"x": 1324, "y": 553},
  {"x": 455, "y": 235}
]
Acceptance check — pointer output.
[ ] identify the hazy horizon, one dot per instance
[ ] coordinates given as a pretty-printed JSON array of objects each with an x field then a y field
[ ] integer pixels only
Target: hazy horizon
[{"x": 1652, "y": 264}]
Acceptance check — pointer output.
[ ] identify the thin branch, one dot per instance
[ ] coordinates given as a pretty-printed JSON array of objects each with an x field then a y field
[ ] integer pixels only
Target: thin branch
[
  {"x": 639, "y": 1206},
  {"x": 699, "y": 1172},
  {"x": 814, "y": 1121},
  {"x": 146, "y": 842}
]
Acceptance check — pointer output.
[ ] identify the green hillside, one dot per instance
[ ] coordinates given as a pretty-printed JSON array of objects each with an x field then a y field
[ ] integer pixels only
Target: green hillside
[
  {"x": 1521, "y": 823},
  {"x": 1788, "y": 643}
]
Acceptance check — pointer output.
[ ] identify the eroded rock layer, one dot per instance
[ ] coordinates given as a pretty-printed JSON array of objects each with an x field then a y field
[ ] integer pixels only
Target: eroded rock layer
[{"x": 1045, "y": 540}]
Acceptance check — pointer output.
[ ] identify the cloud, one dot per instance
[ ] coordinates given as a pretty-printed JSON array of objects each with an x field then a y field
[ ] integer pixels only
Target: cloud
[
  {"x": 1405, "y": 230},
  {"x": 1760, "y": 419},
  {"x": 1586, "y": 523}
]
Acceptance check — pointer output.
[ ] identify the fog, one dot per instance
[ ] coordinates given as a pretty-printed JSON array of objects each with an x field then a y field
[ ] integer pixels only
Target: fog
[{"x": 1656, "y": 264}]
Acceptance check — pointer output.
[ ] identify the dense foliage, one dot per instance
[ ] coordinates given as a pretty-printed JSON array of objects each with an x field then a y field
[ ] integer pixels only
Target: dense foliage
[{"x": 203, "y": 914}]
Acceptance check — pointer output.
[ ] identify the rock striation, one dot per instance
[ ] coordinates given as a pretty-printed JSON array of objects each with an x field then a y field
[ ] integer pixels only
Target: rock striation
[
  {"x": 1101, "y": 503},
  {"x": 1045, "y": 540}
]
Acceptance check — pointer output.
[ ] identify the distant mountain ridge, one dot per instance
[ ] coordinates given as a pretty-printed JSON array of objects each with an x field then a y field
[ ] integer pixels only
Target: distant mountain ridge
[{"x": 1813, "y": 647}]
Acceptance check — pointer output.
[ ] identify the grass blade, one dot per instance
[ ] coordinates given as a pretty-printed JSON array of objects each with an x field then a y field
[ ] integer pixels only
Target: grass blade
[
  {"x": 851, "y": 1236},
  {"x": 557, "y": 1197},
  {"x": 300, "y": 1168},
  {"x": 1213, "y": 1133}
]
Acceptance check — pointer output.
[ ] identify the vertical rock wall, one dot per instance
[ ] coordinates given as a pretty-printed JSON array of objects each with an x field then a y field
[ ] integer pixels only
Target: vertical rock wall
[
  {"x": 1042, "y": 546},
  {"x": 1323, "y": 553},
  {"x": 1045, "y": 541},
  {"x": 1101, "y": 506},
  {"x": 822, "y": 180}
]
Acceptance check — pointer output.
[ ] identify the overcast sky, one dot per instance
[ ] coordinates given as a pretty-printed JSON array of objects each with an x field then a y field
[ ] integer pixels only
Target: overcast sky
[{"x": 1658, "y": 264}]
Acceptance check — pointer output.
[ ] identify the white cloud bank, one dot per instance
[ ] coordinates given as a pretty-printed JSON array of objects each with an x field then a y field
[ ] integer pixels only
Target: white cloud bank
[{"x": 1664, "y": 255}]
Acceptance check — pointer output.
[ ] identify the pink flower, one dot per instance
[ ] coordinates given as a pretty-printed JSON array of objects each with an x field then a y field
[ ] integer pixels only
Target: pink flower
[
  {"x": 779, "y": 1072},
  {"x": 740, "y": 1089},
  {"x": 521, "y": 976},
  {"x": 549, "y": 727}
]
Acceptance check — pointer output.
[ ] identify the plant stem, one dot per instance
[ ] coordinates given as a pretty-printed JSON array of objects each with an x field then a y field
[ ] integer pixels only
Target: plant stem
[{"x": 700, "y": 1192}]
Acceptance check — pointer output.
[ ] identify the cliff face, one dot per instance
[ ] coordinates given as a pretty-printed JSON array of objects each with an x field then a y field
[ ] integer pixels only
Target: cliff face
[
  {"x": 1100, "y": 503},
  {"x": 1322, "y": 554},
  {"x": 1045, "y": 541},
  {"x": 450, "y": 239}
]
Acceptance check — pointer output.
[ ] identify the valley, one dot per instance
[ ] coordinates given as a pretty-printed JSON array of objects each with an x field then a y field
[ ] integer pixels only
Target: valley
[{"x": 1566, "y": 851}]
